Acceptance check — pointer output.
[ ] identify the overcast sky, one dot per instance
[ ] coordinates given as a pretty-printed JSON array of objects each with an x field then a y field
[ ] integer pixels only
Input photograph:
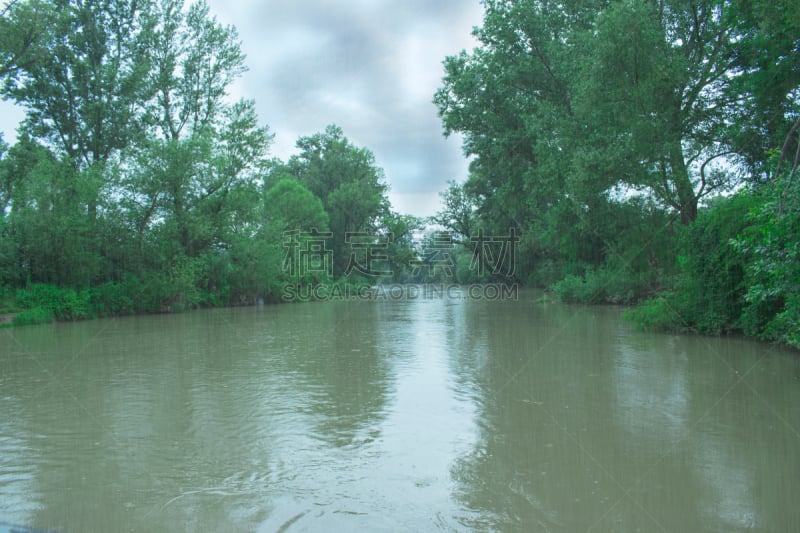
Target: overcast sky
[{"x": 369, "y": 66}]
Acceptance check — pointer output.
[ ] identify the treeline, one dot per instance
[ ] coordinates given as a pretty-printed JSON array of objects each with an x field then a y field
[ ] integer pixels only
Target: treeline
[
  {"x": 646, "y": 151},
  {"x": 136, "y": 185}
]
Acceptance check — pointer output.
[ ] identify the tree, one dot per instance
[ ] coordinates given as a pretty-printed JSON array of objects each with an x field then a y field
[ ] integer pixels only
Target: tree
[
  {"x": 44, "y": 218},
  {"x": 347, "y": 181},
  {"x": 401, "y": 252},
  {"x": 567, "y": 100},
  {"x": 290, "y": 206},
  {"x": 19, "y": 26},
  {"x": 196, "y": 170},
  {"x": 458, "y": 212},
  {"x": 133, "y": 159},
  {"x": 767, "y": 56},
  {"x": 84, "y": 81},
  {"x": 195, "y": 60}
]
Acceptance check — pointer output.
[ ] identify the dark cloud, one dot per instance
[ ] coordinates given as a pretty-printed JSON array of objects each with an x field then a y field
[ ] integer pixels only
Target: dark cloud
[{"x": 370, "y": 67}]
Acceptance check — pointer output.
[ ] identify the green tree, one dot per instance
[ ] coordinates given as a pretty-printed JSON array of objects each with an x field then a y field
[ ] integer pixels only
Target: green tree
[
  {"x": 20, "y": 23},
  {"x": 347, "y": 181},
  {"x": 401, "y": 250},
  {"x": 195, "y": 59},
  {"x": 767, "y": 54},
  {"x": 457, "y": 213},
  {"x": 45, "y": 219},
  {"x": 132, "y": 159},
  {"x": 83, "y": 83},
  {"x": 571, "y": 109},
  {"x": 190, "y": 188},
  {"x": 579, "y": 97},
  {"x": 289, "y": 206}
]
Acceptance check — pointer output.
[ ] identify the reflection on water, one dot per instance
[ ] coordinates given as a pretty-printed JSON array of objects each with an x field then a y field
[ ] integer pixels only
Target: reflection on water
[{"x": 406, "y": 415}]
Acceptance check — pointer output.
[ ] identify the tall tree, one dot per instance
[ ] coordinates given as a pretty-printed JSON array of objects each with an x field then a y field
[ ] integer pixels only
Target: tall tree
[
  {"x": 568, "y": 99},
  {"x": 348, "y": 182},
  {"x": 195, "y": 60},
  {"x": 202, "y": 154},
  {"x": 83, "y": 83},
  {"x": 768, "y": 61},
  {"x": 45, "y": 219}
]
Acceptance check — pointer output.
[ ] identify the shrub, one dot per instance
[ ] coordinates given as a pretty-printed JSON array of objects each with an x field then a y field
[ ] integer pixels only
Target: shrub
[
  {"x": 708, "y": 292},
  {"x": 113, "y": 298},
  {"x": 37, "y": 315},
  {"x": 572, "y": 289},
  {"x": 771, "y": 308},
  {"x": 602, "y": 285},
  {"x": 657, "y": 314},
  {"x": 63, "y": 302}
]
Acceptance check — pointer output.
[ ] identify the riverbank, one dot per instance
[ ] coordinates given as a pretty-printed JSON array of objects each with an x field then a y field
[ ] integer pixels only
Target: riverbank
[{"x": 43, "y": 304}]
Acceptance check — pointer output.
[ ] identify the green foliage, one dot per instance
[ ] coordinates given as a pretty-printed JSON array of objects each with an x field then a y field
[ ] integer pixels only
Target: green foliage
[
  {"x": 771, "y": 306},
  {"x": 61, "y": 303},
  {"x": 400, "y": 250},
  {"x": 465, "y": 271},
  {"x": 292, "y": 206},
  {"x": 30, "y": 317},
  {"x": 134, "y": 185},
  {"x": 564, "y": 101},
  {"x": 707, "y": 293},
  {"x": 458, "y": 212},
  {"x": 602, "y": 285},
  {"x": 713, "y": 270},
  {"x": 114, "y": 298},
  {"x": 595, "y": 126},
  {"x": 83, "y": 78},
  {"x": 348, "y": 183},
  {"x": 656, "y": 314}
]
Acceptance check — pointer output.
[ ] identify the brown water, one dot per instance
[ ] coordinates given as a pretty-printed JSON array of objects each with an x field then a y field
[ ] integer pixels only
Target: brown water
[{"x": 422, "y": 415}]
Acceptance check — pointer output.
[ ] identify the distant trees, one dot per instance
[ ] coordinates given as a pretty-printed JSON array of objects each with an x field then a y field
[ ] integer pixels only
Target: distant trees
[{"x": 457, "y": 214}]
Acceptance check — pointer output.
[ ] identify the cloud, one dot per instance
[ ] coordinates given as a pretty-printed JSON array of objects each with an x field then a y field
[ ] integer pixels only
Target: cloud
[{"x": 370, "y": 67}]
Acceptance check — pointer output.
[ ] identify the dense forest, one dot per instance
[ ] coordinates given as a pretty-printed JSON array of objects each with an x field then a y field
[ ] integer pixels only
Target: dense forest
[{"x": 644, "y": 151}]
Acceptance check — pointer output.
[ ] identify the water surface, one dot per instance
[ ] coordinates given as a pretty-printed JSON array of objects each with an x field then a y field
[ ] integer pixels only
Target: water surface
[{"x": 440, "y": 414}]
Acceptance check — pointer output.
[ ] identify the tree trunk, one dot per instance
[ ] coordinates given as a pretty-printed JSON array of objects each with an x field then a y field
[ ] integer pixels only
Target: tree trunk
[{"x": 683, "y": 185}]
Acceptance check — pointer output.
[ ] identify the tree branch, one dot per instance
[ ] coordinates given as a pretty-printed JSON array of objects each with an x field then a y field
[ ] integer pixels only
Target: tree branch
[{"x": 789, "y": 179}]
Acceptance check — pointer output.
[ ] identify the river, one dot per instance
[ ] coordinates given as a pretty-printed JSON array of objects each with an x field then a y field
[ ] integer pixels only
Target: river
[{"x": 422, "y": 414}]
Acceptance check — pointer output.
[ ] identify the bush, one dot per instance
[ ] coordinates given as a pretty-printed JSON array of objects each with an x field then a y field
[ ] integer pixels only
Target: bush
[
  {"x": 37, "y": 315},
  {"x": 602, "y": 285},
  {"x": 113, "y": 298},
  {"x": 573, "y": 289},
  {"x": 709, "y": 292},
  {"x": 62, "y": 302},
  {"x": 771, "y": 304},
  {"x": 657, "y": 314}
]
